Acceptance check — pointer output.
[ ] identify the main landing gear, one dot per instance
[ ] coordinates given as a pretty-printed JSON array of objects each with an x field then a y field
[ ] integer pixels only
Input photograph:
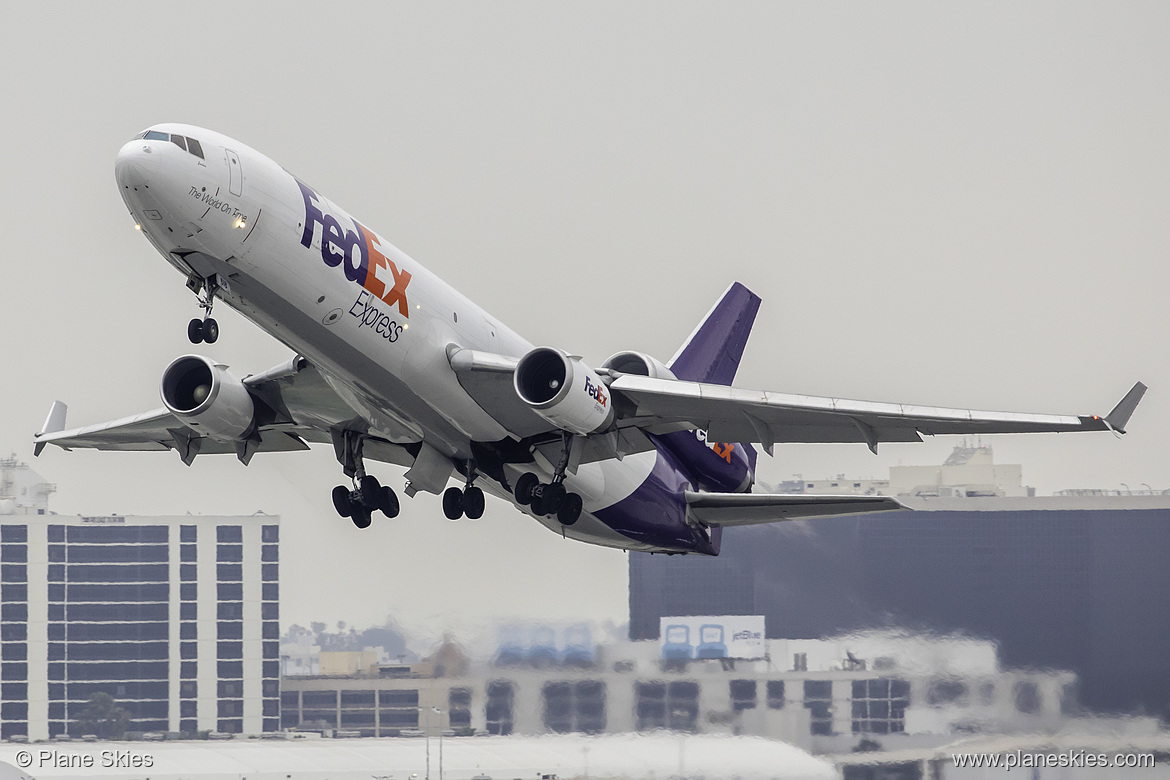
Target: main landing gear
[
  {"x": 467, "y": 500},
  {"x": 203, "y": 329},
  {"x": 551, "y": 498},
  {"x": 367, "y": 496}
]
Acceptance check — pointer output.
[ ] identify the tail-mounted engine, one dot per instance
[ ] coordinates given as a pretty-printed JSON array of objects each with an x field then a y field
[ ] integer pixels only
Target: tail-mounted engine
[
  {"x": 206, "y": 397},
  {"x": 638, "y": 363},
  {"x": 564, "y": 391}
]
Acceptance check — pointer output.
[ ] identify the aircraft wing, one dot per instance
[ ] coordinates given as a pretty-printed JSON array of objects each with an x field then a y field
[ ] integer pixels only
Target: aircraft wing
[
  {"x": 731, "y": 509},
  {"x": 294, "y": 404},
  {"x": 732, "y": 414}
]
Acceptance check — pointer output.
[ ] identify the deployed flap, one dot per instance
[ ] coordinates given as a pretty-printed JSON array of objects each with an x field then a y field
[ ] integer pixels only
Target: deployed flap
[
  {"x": 729, "y": 509},
  {"x": 731, "y": 414}
]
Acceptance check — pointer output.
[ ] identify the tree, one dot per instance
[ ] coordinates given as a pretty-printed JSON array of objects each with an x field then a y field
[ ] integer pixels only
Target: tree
[{"x": 102, "y": 716}]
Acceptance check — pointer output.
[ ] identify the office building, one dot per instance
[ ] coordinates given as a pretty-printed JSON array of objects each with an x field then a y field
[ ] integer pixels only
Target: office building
[
  {"x": 175, "y": 617},
  {"x": 1076, "y": 582}
]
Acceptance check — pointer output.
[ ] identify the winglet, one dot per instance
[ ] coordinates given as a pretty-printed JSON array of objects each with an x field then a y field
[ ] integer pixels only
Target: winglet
[
  {"x": 1120, "y": 415},
  {"x": 54, "y": 423}
]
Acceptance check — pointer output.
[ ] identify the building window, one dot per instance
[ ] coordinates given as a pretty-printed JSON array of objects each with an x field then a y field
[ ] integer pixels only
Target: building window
[
  {"x": 19, "y": 533},
  {"x": 270, "y": 533},
  {"x": 775, "y": 694},
  {"x": 1027, "y": 697},
  {"x": 229, "y": 533},
  {"x": 946, "y": 691},
  {"x": 743, "y": 695},
  {"x": 818, "y": 699},
  {"x": 17, "y": 553},
  {"x": 229, "y": 572},
  {"x": 574, "y": 707},
  {"x": 459, "y": 707},
  {"x": 879, "y": 706},
  {"x": 188, "y": 533},
  {"x": 673, "y": 705},
  {"x": 800, "y": 662},
  {"x": 501, "y": 698}
]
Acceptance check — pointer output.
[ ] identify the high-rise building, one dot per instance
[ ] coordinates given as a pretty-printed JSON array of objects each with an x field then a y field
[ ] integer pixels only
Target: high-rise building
[
  {"x": 1064, "y": 582},
  {"x": 176, "y": 618}
]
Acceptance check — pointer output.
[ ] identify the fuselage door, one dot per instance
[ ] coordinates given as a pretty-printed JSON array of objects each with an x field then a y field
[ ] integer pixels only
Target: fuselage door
[{"x": 235, "y": 174}]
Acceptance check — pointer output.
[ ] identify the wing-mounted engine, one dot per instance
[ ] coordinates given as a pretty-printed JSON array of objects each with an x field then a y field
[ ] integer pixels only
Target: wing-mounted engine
[
  {"x": 564, "y": 391},
  {"x": 638, "y": 363},
  {"x": 206, "y": 397}
]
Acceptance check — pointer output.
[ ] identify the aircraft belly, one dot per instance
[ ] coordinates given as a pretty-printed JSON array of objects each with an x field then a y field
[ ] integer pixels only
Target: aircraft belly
[{"x": 371, "y": 383}]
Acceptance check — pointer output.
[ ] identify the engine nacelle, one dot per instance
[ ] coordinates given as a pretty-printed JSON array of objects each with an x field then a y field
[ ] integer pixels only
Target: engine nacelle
[
  {"x": 563, "y": 390},
  {"x": 638, "y": 363},
  {"x": 206, "y": 397}
]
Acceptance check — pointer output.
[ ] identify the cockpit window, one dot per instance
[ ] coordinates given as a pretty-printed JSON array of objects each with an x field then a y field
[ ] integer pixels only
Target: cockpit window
[{"x": 184, "y": 143}]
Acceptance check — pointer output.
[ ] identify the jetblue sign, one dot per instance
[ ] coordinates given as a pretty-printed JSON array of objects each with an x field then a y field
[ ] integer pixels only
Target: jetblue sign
[{"x": 723, "y": 636}]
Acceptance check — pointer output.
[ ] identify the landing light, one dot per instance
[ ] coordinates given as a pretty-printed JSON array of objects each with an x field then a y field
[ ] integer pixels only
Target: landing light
[
  {"x": 240, "y": 223},
  {"x": 138, "y": 227}
]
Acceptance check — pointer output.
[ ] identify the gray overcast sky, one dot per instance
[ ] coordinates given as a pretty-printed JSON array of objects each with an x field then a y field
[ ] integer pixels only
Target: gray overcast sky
[{"x": 948, "y": 204}]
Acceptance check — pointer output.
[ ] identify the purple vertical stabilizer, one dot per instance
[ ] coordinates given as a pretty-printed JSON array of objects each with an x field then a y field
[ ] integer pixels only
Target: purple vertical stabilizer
[
  {"x": 712, "y": 354},
  {"x": 713, "y": 351}
]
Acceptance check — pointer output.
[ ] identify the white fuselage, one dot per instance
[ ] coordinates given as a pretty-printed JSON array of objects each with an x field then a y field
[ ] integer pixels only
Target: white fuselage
[{"x": 381, "y": 345}]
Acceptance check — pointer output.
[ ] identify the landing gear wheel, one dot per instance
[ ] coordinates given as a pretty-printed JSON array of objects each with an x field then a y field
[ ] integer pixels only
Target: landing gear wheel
[
  {"x": 389, "y": 503},
  {"x": 554, "y": 498},
  {"x": 524, "y": 486},
  {"x": 210, "y": 331},
  {"x": 195, "y": 331},
  {"x": 570, "y": 509},
  {"x": 371, "y": 491},
  {"x": 361, "y": 517},
  {"x": 453, "y": 503},
  {"x": 473, "y": 502},
  {"x": 341, "y": 501},
  {"x": 537, "y": 505}
]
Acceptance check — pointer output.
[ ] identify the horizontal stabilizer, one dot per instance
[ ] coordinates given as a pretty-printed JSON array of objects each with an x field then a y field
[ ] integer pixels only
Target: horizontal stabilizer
[
  {"x": 730, "y": 509},
  {"x": 1121, "y": 413}
]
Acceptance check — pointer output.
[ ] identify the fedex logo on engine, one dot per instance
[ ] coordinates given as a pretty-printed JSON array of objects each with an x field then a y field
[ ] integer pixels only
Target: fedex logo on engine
[
  {"x": 595, "y": 392},
  {"x": 356, "y": 252}
]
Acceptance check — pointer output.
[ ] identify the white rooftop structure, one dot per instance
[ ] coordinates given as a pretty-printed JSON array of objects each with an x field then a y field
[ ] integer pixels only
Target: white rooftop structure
[
  {"x": 658, "y": 755},
  {"x": 22, "y": 490}
]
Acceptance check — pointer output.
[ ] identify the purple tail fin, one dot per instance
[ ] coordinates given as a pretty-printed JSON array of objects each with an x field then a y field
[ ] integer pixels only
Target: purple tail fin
[{"x": 713, "y": 351}]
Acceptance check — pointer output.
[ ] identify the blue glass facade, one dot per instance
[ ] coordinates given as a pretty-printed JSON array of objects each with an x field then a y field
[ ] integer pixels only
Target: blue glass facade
[
  {"x": 171, "y": 619},
  {"x": 1086, "y": 590}
]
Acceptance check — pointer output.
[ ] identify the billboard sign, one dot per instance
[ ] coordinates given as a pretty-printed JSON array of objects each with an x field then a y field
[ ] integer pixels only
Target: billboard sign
[{"x": 724, "y": 636}]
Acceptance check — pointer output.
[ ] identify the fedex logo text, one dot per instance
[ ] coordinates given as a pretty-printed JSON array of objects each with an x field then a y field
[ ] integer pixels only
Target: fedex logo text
[
  {"x": 723, "y": 450},
  {"x": 357, "y": 252},
  {"x": 595, "y": 392}
]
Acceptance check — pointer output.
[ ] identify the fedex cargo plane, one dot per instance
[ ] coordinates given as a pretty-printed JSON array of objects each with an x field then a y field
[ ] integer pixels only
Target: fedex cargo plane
[{"x": 392, "y": 364}]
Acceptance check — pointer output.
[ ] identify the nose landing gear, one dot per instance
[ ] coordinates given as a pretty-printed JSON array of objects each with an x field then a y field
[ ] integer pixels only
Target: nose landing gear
[{"x": 205, "y": 329}]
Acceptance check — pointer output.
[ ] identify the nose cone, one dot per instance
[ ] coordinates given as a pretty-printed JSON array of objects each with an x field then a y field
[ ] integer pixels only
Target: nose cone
[{"x": 134, "y": 167}]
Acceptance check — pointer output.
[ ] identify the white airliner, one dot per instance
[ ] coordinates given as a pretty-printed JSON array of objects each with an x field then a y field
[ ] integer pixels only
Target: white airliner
[{"x": 393, "y": 364}]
